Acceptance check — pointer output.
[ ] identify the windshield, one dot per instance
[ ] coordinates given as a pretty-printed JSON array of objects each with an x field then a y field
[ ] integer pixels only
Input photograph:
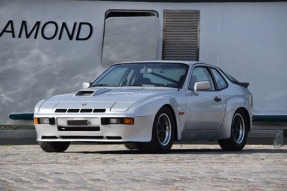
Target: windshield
[{"x": 144, "y": 74}]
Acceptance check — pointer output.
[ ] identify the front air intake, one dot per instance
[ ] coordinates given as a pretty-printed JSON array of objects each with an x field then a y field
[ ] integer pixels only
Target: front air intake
[
  {"x": 99, "y": 110},
  {"x": 73, "y": 110},
  {"x": 80, "y": 110},
  {"x": 86, "y": 110},
  {"x": 60, "y": 110}
]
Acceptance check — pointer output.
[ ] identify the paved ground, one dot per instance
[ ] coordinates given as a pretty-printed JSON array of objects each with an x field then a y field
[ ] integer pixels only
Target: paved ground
[{"x": 112, "y": 167}]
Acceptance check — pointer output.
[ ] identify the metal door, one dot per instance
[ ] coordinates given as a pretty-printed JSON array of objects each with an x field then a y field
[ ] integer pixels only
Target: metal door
[{"x": 205, "y": 110}]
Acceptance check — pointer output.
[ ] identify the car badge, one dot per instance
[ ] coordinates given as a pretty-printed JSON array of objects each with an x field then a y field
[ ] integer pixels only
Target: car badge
[{"x": 84, "y": 104}]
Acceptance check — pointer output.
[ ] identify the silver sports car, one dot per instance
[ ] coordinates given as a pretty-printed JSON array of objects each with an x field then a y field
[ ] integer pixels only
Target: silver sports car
[{"x": 148, "y": 106}]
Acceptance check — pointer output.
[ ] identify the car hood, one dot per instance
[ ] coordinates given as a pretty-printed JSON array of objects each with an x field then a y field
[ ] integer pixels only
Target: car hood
[{"x": 110, "y": 99}]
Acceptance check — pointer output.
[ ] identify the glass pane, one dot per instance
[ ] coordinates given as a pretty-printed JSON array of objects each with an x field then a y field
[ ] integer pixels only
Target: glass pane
[
  {"x": 112, "y": 78},
  {"x": 153, "y": 74},
  {"x": 129, "y": 39},
  {"x": 221, "y": 84},
  {"x": 200, "y": 74}
]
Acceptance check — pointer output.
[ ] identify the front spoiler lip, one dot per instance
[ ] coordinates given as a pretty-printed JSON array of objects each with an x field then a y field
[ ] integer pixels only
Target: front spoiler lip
[
  {"x": 95, "y": 139},
  {"x": 91, "y": 140}
]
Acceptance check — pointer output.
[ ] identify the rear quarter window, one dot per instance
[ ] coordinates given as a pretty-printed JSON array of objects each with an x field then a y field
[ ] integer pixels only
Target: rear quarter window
[{"x": 220, "y": 82}]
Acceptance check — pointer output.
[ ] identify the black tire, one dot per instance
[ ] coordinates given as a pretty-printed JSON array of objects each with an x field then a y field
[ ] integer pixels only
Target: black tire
[
  {"x": 54, "y": 146},
  {"x": 162, "y": 133},
  {"x": 134, "y": 146},
  {"x": 238, "y": 134}
]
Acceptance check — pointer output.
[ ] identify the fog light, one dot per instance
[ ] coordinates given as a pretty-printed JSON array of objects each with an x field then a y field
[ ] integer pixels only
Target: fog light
[
  {"x": 115, "y": 121},
  {"x": 44, "y": 120},
  {"x": 126, "y": 121}
]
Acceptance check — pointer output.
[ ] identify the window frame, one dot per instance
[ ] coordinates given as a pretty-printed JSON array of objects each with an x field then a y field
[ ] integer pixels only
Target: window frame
[
  {"x": 217, "y": 89},
  {"x": 130, "y": 13},
  {"x": 212, "y": 78}
]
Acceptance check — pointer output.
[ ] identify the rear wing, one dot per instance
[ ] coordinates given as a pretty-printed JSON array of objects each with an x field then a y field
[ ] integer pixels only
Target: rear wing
[{"x": 243, "y": 84}]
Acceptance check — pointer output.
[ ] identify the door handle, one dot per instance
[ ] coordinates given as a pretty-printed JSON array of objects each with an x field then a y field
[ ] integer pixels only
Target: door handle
[{"x": 217, "y": 99}]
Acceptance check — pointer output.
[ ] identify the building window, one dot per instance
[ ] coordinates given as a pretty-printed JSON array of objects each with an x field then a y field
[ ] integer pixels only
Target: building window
[
  {"x": 181, "y": 35},
  {"x": 129, "y": 36}
]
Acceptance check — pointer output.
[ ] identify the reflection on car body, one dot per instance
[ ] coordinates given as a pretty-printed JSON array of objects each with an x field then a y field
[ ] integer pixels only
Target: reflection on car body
[{"x": 149, "y": 105}]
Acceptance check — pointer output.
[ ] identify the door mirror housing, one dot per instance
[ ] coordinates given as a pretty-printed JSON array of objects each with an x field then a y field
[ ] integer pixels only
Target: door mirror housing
[
  {"x": 203, "y": 85},
  {"x": 86, "y": 85}
]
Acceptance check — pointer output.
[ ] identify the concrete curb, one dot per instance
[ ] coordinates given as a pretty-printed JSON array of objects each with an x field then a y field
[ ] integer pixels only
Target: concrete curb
[{"x": 17, "y": 134}]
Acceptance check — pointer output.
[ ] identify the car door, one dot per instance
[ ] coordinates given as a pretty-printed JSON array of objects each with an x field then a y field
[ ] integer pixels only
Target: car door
[{"x": 205, "y": 110}]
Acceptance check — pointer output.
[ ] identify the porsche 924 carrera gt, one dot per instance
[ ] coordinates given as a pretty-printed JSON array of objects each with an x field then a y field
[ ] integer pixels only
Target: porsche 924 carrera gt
[{"x": 148, "y": 106}]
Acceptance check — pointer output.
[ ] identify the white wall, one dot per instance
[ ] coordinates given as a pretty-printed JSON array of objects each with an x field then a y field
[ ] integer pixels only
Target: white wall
[{"x": 253, "y": 47}]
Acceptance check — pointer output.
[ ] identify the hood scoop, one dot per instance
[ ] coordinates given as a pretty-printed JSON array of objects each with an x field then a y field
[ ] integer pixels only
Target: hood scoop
[
  {"x": 84, "y": 93},
  {"x": 91, "y": 92}
]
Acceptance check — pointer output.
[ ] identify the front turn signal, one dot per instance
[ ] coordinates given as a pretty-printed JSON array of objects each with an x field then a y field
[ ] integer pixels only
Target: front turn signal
[
  {"x": 128, "y": 121},
  {"x": 36, "y": 121}
]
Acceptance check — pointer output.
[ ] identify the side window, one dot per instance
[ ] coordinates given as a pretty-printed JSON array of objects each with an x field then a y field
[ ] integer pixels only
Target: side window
[
  {"x": 200, "y": 74},
  {"x": 221, "y": 83}
]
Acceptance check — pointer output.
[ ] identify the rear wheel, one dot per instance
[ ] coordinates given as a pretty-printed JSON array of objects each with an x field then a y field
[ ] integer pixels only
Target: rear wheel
[
  {"x": 238, "y": 135},
  {"x": 54, "y": 146},
  {"x": 162, "y": 133}
]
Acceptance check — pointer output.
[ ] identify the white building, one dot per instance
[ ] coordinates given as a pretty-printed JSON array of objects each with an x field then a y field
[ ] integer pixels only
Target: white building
[{"x": 51, "y": 47}]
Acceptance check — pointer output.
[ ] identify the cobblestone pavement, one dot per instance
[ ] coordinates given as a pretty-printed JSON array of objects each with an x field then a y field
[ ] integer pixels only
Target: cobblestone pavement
[{"x": 112, "y": 167}]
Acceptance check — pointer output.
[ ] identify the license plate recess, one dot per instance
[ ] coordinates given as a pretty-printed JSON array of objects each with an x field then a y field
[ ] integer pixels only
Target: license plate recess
[{"x": 77, "y": 122}]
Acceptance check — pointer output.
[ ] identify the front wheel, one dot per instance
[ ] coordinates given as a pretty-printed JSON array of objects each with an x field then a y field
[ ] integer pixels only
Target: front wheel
[
  {"x": 162, "y": 132},
  {"x": 238, "y": 135},
  {"x": 54, "y": 146}
]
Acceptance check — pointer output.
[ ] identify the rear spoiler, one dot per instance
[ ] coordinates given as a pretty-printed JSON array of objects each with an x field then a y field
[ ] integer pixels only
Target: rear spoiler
[
  {"x": 233, "y": 80},
  {"x": 243, "y": 84}
]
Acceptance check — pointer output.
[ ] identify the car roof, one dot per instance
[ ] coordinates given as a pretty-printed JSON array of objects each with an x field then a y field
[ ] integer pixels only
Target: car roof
[{"x": 190, "y": 63}]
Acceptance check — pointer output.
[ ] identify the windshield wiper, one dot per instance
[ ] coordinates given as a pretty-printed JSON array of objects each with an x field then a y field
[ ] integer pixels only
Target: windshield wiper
[
  {"x": 166, "y": 85},
  {"x": 136, "y": 85},
  {"x": 140, "y": 85}
]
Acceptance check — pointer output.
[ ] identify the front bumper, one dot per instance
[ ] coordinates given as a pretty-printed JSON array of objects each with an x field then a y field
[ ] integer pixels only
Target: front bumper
[{"x": 140, "y": 131}]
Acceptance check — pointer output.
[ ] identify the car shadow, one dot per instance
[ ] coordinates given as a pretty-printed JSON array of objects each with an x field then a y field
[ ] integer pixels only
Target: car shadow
[{"x": 188, "y": 151}]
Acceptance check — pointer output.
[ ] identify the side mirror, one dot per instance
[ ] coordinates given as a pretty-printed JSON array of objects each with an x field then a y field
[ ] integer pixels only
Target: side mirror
[
  {"x": 86, "y": 85},
  {"x": 203, "y": 85}
]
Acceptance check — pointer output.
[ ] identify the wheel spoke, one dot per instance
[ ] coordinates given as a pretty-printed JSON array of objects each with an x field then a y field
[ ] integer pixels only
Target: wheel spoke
[
  {"x": 162, "y": 136},
  {"x": 236, "y": 135}
]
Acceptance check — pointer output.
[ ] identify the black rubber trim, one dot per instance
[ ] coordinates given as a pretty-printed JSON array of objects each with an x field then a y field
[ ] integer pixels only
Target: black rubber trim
[
  {"x": 60, "y": 128},
  {"x": 270, "y": 118},
  {"x": 21, "y": 116}
]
